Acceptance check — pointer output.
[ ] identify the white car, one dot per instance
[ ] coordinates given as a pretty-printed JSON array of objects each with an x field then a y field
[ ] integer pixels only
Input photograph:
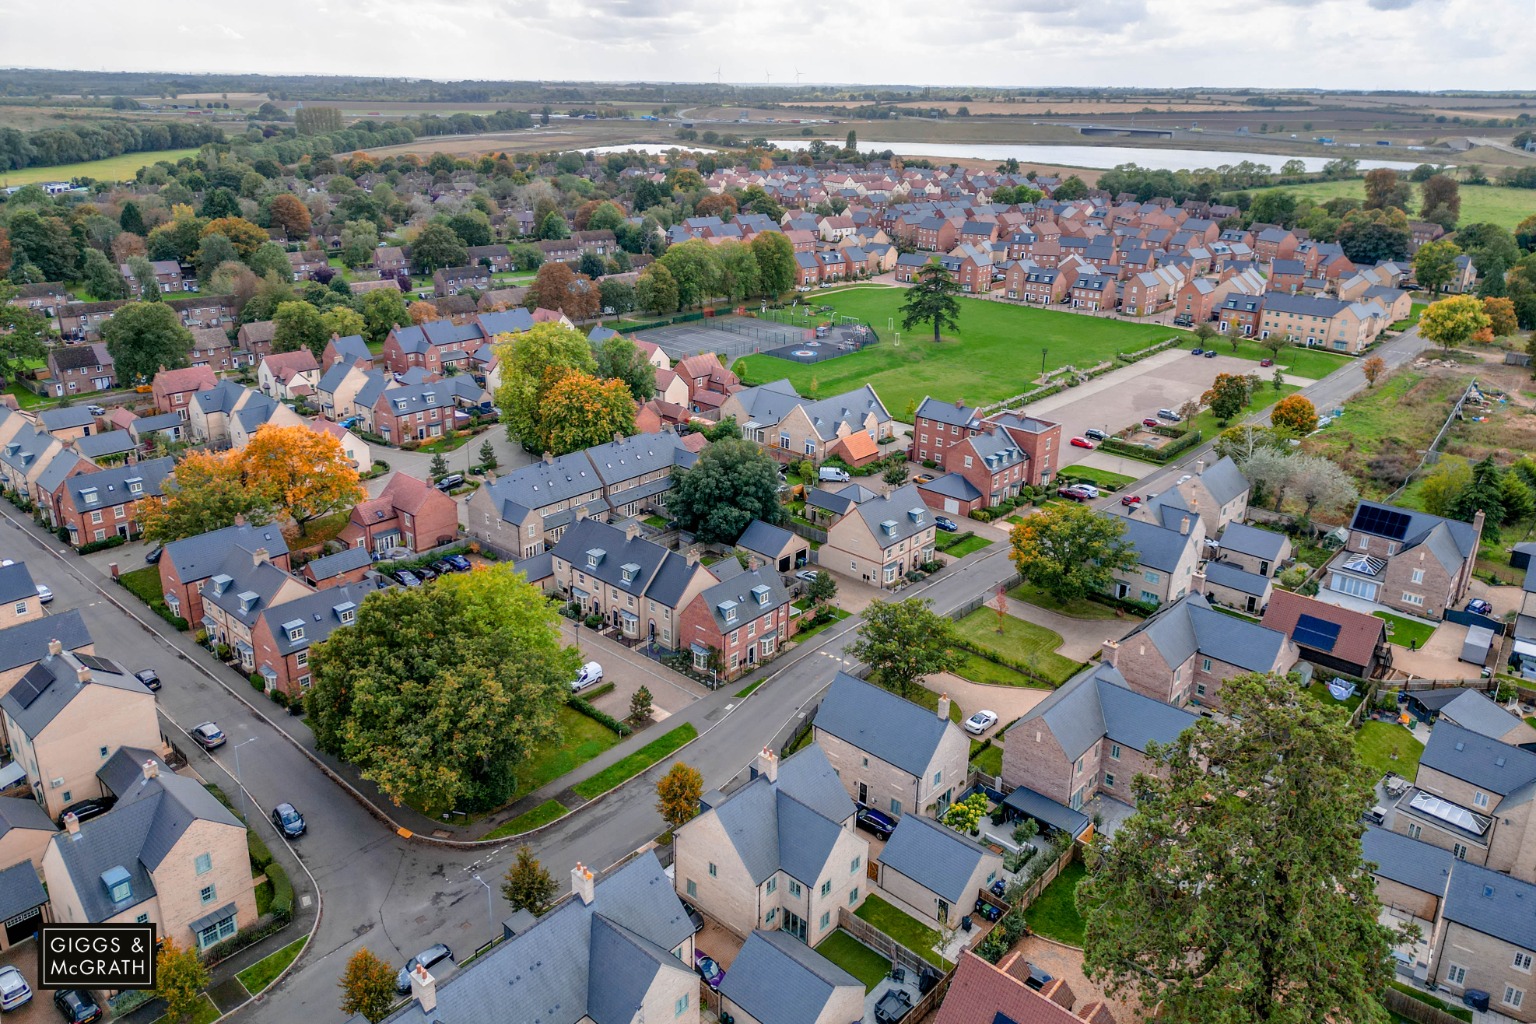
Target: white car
[
  {"x": 1088, "y": 489},
  {"x": 806, "y": 575},
  {"x": 980, "y": 722},
  {"x": 14, "y": 990},
  {"x": 590, "y": 675},
  {"x": 44, "y": 595}
]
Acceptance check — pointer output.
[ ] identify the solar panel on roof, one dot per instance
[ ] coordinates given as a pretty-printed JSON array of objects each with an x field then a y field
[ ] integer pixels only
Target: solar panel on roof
[
  {"x": 31, "y": 686},
  {"x": 1385, "y": 522},
  {"x": 97, "y": 664},
  {"x": 1315, "y": 633}
]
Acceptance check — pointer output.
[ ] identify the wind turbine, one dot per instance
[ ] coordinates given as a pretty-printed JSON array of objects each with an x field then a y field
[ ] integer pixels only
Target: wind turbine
[
  {"x": 717, "y": 75},
  {"x": 797, "y": 76},
  {"x": 769, "y": 75}
]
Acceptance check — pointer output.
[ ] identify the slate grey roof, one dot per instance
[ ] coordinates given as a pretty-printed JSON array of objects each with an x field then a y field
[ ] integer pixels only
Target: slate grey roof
[
  {"x": 20, "y": 890},
  {"x": 764, "y": 539},
  {"x": 939, "y": 859},
  {"x": 28, "y": 642},
  {"x": 1420, "y": 528},
  {"x": 1156, "y": 546},
  {"x": 56, "y": 682},
  {"x": 1472, "y": 709},
  {"x": 112, "y": 486},
  {"x": 60, "y": 466},
  {"x": 331, "y": 379},
  {"x": 149, "y": 424},
  {"x": 1415, "y": 864},
  {"x": 1250, "y": 540},
  {"x": 772, "y": 831},
  {"x": 780, "y": 980},
  {"x": 16, "y": 584},
  {"x": 342, "y": 561},
  {"x": 809, "y": 778},
  {"x": 1224, "y": 480},
  {"x": 1485, "y": 763},
  {"x": 23, "y": 812},
  {"x": 64, "y": 419},
  {"x": 750, "y": 594},
  {"x": 1492, "y": 903},
  {"x": 441, "y": 394},
  {"x": 638, "y": 455},
  {"x": 1224, "y": 574},
  {"x": 1097, "y": 703},
  {"x": 1190, "y": 625},
  {"x": 770, "y": 403},
  {"x": 263, "y": 581},
  {"x": 318, "y": 613},
  {"x": 22, "y": 451},
  {"x": 881, "y": 724},
  {"x": 510, "y": 321},
  {"x": 352, "y": 348},
  {"x": 220, "y": 398},
  {"x": 369, "y": 393},
  {"x": 94, "y": 446},
  {"x": 197, "y": 558},
  {"x": 579, "y": 960},
  {"x": 660, "y": 574},
  {"x": 952, "y": 485},
  {"x": 441, "y": 333},
  {"x": 904, "y": 507},
  {"x": 949, "y": 413},
  {"x": 1304, "y": 305}
]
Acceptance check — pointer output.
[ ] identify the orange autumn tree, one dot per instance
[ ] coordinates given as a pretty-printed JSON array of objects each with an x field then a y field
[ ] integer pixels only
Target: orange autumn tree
[
  {"x": 206, "y": 492},
  {"x": 1296, "y": 414},
  {"x": 422, "y": 312},
  {"x": 579, "y": 411},
  {"x": 303, "y": 474}
]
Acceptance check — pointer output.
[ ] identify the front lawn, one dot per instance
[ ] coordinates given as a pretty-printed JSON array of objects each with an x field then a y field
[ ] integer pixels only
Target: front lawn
[
  {"x": 1405, "y": 632},
  {"x": 580, "y": 740},
  {"x": 983, "y": 670},
  {"x": 25, "y": 398},
  {"x": 1388, "y": 747},
  {"x": 990, "y": 760},
  {"x": 967, "y": 546},
  {"x": 1020, "y": 643},
  {"x": 1102, "y": 478},
  {"x": 145, "y": 585},
  {"x": 634, "y": 764},
  {"x": 1008, "y": 340},
  {"x": 854, "y": 957},
  {"x": 1297, "y": 360},
  {"x": 262, "y": 973},
  {"x": 546, "y": 812},
  {"x": 1077, "y": 608},
  {"x": 1054, "y": 913},
  {"x": 902, "y": 927}
]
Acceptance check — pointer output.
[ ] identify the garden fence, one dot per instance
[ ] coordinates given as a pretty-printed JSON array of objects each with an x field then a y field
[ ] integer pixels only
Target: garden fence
[
  {"x": 1416, "y": 1010},
  {"x": 877, "y": 940}
]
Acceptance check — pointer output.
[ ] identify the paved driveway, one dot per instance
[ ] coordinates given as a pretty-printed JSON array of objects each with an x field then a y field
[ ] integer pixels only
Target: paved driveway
[{"x": 1010, "y": 702}]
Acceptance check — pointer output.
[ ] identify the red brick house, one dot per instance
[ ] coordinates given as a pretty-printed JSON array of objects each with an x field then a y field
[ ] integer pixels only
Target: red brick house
[
  {"x": 173, "y": 389},
  {"x": 338, "y": 570},
  {"x": 431, "y": 346},
  {"x": 746, "y": 619},
  {"x": 186, "y": 564},
  {"x": 408, "y": 513},
  {"x": 256, "y": 339},
  {"x": 1093, "y": 291},
  {"x": 938, "y": 233},
  {"x": 1240, "y": 315},
  {"x": 81, "y": 369},
  {"x": 938, "y": 426},
  {"x": 283, "y": 633},
  {"x": 1275, "y": 244},
  {"x": 95, "y": 506}
]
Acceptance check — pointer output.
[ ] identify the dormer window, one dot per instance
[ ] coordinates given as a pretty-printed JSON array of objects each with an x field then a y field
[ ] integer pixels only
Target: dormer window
[
  {"x": 916, "y": 515},
  {"x": 118, "y": 883},
  {"x": 136, "y": 486},
  {"x": 629, "y": 570},
  {"x": 728, "y": 611},
  {"x": 889, "y": 527},
  {"x": 595, "y": 557},
  {"x": 346, "y": 614},
  {"x": 90, "y": 495},
  {"x": 248, "y": 599},
  {"x": 761, "y": 594}
]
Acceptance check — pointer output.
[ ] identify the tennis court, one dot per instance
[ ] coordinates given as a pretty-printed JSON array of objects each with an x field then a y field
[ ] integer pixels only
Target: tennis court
[{"x": 737, "y": 336}]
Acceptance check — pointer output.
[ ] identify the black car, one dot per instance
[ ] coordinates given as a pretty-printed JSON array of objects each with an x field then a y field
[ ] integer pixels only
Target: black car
[
  {"x": 694, "y": 917},
  {"x": 1037, "y": 979},
  {"x": 288, "y": 820},
  {"x": 873, "y": 821},
  {"x": 427, "y": 573},
  {"x": 428, "y": 958},
  {"x": 152, "y": 556},
  {"x": 85, "y": 810},
  {"x": 406, "y": 578},
  {"x": 443, "y": 567},
  {"x": 77, "y": 1006},
  {"x": 149, "y": 678}
]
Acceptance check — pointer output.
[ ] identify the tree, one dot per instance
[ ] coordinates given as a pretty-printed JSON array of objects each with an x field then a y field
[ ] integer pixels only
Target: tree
[
  {"x": 732, "y": 483},
  {"x": 341, "y": 321},
  {"x": 289, "y": 213},
  {"x": 422, "y": 312},
  {"x": 131, "y": 219},
  {"x": 1440, "y": 200},
  {"x": 383, "y": 310},
  {"x": 895, "y": 475},
  {"x": 367, "y": 986},
  {"x": 853, "y": 140},
  {"x": 1383, "y": 190},
  {"x": 775, "y": 256},
  {"x": 678, "y": 793},
  {"x": 1501, "y": 315},
  {"x": 1485, "y": 494},
  {"x": 24, "y": 335},
  {"x": 358, "y": 240},
  {"x": 487, "y": 454},
  {"x": 440, "y": 693},
  {"x": 298, "y": 325},
  {"x": 821, "y": 589},
  {"x": 472, "y": 226},
  {"x": 1434, "y": 265},
  {"x": 578, "y": 411},
  {"x": 1202, "y": 906},
  {"x": 1070, "y": 551},
  {"x": 245, "y": 236},
  {"x": 1442, "y": 487},
  {"x": 1228, "y": 396},
  {"x": 548, "y": 350},
  {"x": 215, "y": 251},
  {"x": 1240, "y": 442},
  {"x": 180, "y": 979},
  {"x": 1295, "y": 414},
  {"x": 102, "y": 279},
  {"x": 656, "y": 290},
  {"x": 931, "y": 299},
  {"x": 1373, "y": 368},
  {"x": 303, "y": 473},
  {"x": 739, "y": 276},
  {"x": 903, "y": 641},
  {"x": 557, "y": 286},
  {"x": 1448, "y": 323},
  {"x": 1321, "y": 483},
  {"x": 618, "y": 358},
  {"x": 145, "y": 286},
  {"x": 219, "y": 202},
  {"x": 1370, "y": 236},
  {"x": 553, "y": 226},
  {"x": 438, "y": 468},
  {"x": 270, "y": 258},
  {"x": 206, "y": 492},
  {"x": 437, "y": 247},
  {"x": 1525, "y": 234},
  {"x": 1072, "y": 188},
  {"x": 1274, "y": 206},
  {"x": 640, "y": 705},
  {"x": 317, "y": 120},
  {"x": 527, "y": 885},
  {"x": 695, "y": 266},
  {"x": 144, "y": 338},
  {"x": 616, "y": 297}
]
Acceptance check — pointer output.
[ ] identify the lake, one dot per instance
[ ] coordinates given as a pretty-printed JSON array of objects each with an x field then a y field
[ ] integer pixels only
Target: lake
[{"x": 1101, "y": 157}]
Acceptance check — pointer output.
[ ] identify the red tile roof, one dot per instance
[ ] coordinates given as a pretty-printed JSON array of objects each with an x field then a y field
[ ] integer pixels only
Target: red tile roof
[
  {"x": 980, "y": 991},
  {"x": 1358, "y": 633}
]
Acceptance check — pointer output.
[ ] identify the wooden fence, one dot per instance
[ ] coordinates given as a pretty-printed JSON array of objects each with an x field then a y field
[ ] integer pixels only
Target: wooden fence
[
  {"x": 877, "y": 940},
  {"x": 1405, "y": 1005}
]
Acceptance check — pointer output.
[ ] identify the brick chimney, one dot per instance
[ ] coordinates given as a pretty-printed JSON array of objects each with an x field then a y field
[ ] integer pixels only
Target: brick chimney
[
  {"x": 239, "y": 518},
  {"x": 82, "y": 674},
  {"x": 1184, "y": 527},
  {"x": 260, "y": 555},
  {"x": 581, "y": 882},
  {"x": 1111, "y": 651},
  {"x": 767, "y": 764},
  {"x": 71, "y": 823},
  {"x": 631, "y": 529},
  {"x": 424, "y": 989},
  {"x": 1477, "y": 521},
  {"x": 618, "y": 436},
  {"x": 55, "y": 648},
  {"x": 692, "y": 557},
  {"x": 581, "y": 512},
  {"x": 1199, "y": 466},
  {"x": 1197, "y": 582},
  {"x": 942, "y": 708},
  {"x": 549, "y": 458},
  {"x": 151, "y": 769}
]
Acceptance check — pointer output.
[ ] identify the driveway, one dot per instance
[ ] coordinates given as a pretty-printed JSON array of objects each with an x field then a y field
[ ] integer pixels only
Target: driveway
[
  {"x": 628, "y": 670},
  {"x": 1080, "y": 638},
  {"x": 1010, "y": 702},
  {"x": 40, "y": 1009}
]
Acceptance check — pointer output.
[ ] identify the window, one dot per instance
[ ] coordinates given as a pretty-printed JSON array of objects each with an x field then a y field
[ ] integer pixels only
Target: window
[
  {"x": 68, "y": 796},
  {"x": 826, "y": 919},
  {"x": 96, "y": 515},
  {"x": 681, "y": 1006},
  {"x": 142, "y": 919},
  {"x": 1414, "y": 599},
  {"x": 1513, "y": 996},
  {"x": 1456, "y": 974},
  {"x": 1479, "y": 799},
  {"x": 204, "y": 863},
  {"x": 773, "y": 883},
  {"x": 1205, "y": 664},
  {"x": 693, "y": 888},
  {"x": 895, "y": 806},
  {"x": 21, "y": 607},
  {"x": 301, "y": 659},
  {"x": 1149, "y": 597},
  {"x": 1459, "y": 851},
  {"x": 209, "y": 893},
  {"x": 794, "y": 888},
  {"x": 1522, "y": 962},
  {"x": 1114, "y": 751},
  {"x": 1414, "y": 830},
  {"x": 826, "y": 887},
  {"x": 1109, "y": 780},
  {"x": 937, "y": 776},
  {"x": 1079, "y": 768},
  {"x": 1200, "y": 689},
  {"x": 1151, "y": 577},
  {"x": 713, "y": 871},
  {"x": 854, "y": 865},
  {"x": 853, "y": 896},
  {"x": 1418, "y": 575},
  {"x": 768, "y": 917}
]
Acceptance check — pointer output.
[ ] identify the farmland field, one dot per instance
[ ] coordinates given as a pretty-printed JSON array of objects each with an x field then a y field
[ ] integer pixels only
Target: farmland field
[
  {"x": 995, "y": 354},
  {"x": 116, "y": 168},
  {"x": 1480, "y": 204}
]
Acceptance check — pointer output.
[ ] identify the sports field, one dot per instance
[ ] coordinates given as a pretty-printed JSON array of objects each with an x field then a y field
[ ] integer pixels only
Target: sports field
[
  {"x": 1480, "y": 204},
  {"x": 115, "y": 168},
  {"x": 995, "y": 354}
]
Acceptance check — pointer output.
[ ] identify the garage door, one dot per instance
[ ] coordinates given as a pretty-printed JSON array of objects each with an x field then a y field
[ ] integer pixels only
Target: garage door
[
  {"x": 951, "y": 506},
  {"x": 23, "y": 926}
]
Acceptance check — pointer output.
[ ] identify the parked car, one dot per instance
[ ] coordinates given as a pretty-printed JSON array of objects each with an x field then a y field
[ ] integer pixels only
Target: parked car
[
  {"x": 427, "y": 573},
  {"x": 1083, "y": 442},
  {"x": 1130, "y": 501},
  {"x": 833, "y": 474},
  {"x": 871, "y": 820},
  {"x": 96, "y": 410},
  {"x": 1073, "y": 492},
  {"x": 443, "y": 567},
  {"x": 428, "y": 958},
  {"x": 694, "y": 917},
  {"x": 14, "y": 990},
  {"x": 149, "y": 677},
  {"x": 1197, "y": 352},
  {"x": 1088, "y": 489},
  {"x": 152, "y": 556},
  {"x": 450, "y": 481},
  {"x": 77, "y": 1006},
  {"x": 807, "y": 575},
  {"x": 1266, "y": 362},
  {"x": 945, "y": 523},
  {"x": 1037, "y": 979},
  {"x": 406, "y": 578},
  {"x": 980, "y": 722},
  {"x": 209, "y": 736},
  {"x": 712, "y": 973},
  {"x": 590, "y": 675},
  {"x": 1477, "y": 606},
  {"x": 1210, "y": 353},
  {"x": 1168, "y": 414},
  {"x": 85, "y": 810},
  {"x": 288, "y": 820},
  {"x": 923, "y": 478},
  {"x": 1150, "y": 422},
  {"x": 44, "y": 595},
  {"x": 459, "y": 563},
  {"x": 1095, "y": 434}
]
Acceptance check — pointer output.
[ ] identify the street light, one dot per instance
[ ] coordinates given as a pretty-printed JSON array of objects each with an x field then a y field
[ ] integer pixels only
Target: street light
[
  {"x": 490, "y": 911},
  {"x": 238, "y": 783}
]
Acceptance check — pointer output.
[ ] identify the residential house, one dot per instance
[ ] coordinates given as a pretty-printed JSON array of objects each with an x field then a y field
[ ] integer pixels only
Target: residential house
[
  {"x": 889, "y": 753},
  {"x": 881, "y": 538},
  {"x": 1476, "y": 711},
  {"x": 791, "y": 427},
  {"x": 1322, "y": 322},
  {"x": 1011, "y": 453},
  {"x": 81, "y": 369},
  {"x": 433, "y": 346},
  {"x": 781, "y": 852},
  {"x": 255, "y": 339},
  {"x": 1250, "y": 548},
  {"x": 1168, "y": 545},
  {"x": 68, "y": 423},
  {"x": 338, "y": 570},
  {"x": 1332, "y": 638},
  {"x": 453, "y": 280},
  {"x": 1406, "y": 560},
  {"x": 66, "y": 716},
  {"x": 388, "y": 260},
  {"x": 168, "y": 276},
  {"x": 409, "y": 513},
  {"x": 164, "y": 428},
  {"x": 283, "y": 634},
  {"x": 211, "y": 347},
  {"x": 246, "y": 584},
  {"x": 1485, "y": 940},
  {"x": 709, "y": 383},
  {"x": 775, "y": 546},
  {"x": 95, "y": 506},
  {"x": 289, "y": 375},
  {"x": 350, "y": 350},
  {"x": 173, "y": 389},
  {"x": 981, "y": 992},
  {"x": 1240, "y": 314},
  {"x": 306, "y": 264},
  {"x": 939, "y": 426},
  {"x": 25, "y": 457},
  {"x": 80, "y": 321},
  {"x": 45, "y": 297},
  {"x": 167, "y": 854},
  {"x": 340, "y": 385},
  {"x": 1232, "y": 586},
  {"x": 738, "y": 623},
  {"x": 1151, "y": 291},
  {"x": 19, "y": 602},
  {"x": 935, "y": 870},
  {"x": 1088, "y": 739},
  {"x": 422, "y": 411},
  {"x": 495, "y": 257},
  {"x": 353, "y": 448},
  {"x": 48, "y": 488},
  {"x": 777, "y": 979},
  {"x": 104, "y": 449},
  {"x": 1411, "y": 878},
  {"x": 1216, "y": 493},
  {"x": 1275, "y": 243},
  {"x": 25, "y": 829},
  {"x": 219, "y": 413},
  {"x": 186, "y": 564},
  {"x": 26, "y": 643},
  {"x": 1094, "y": 292}
]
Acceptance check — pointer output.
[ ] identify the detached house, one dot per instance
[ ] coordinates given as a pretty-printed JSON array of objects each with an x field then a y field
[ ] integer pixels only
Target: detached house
[
  {"x": 790, "y": 427},
  {"x": 1169, "y": 544},
  {"x": 1406, "y": 560},
  {"x": 289, "y": 375},
  {"x": 889, "y": 753},
  {"x": 409, "y": 513},
  {"x": 881, "y": 537},
  {"x": 173, "y": 389},
  {"x": 935, "y": 870},
  {"x": 1331, "y": 637},
  {"x": 81, "y": 369}
]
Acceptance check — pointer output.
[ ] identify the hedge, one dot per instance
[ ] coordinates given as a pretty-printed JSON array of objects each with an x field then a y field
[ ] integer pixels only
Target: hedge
[
  {"x": 282, "y": 892},
  {"x": 581, "y": 706},
  {"x": 260, "y": 855},
  {"x": 115, "y": 541},
  {"x": 1159, "y": 456},
  {"x": 246, "y": 937}
]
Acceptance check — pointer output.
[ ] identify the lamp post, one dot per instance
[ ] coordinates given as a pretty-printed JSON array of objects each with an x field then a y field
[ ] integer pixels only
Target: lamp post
[
  {"x": 490, "y": 911},
  {"x": 1043, "y": 353},
  {"x": 239, "y": 783}
]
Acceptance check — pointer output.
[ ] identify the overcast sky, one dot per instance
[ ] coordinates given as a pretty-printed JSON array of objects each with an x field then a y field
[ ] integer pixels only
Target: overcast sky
[{"x": 1395, "y": 44}]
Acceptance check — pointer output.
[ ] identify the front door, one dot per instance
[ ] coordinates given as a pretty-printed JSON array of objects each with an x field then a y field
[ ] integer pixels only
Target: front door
[
  {"x": 794, "y": 925},
  {"x": 943, "y": 912},
  {"x": 863, "y": 793}
]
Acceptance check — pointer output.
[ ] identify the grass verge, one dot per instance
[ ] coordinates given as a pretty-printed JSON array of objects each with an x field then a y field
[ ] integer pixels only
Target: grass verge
[
  {"x": 635, "y": 763},
  {"x": 1077, "y": 608},
  {"x": 205, "y": 1013},
  {"x": 746, "y": 691},
  {"x": 1020, "y": 642},
  {"x": 967, "y": 546},
  {"x": 902, "y": 927},
  {"x": 1054, "y": 914},
  {"x": 546, "y": 812},
  {"x": 854, "y": 957},
  {"x": 261, "y": 973},
  {"x": 580, "y": 740}
]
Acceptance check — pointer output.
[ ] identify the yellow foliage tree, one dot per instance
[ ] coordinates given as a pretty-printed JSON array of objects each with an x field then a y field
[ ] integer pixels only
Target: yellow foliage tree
[
  {"x": 301, "y": 473},
  {"x": 206, "y": 492}
]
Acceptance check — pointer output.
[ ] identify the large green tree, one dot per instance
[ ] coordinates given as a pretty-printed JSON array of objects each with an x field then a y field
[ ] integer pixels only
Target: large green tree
[
  {"x": 1435, "y": 264},
  {"x": 144, "y": 338},
  {"x": 1071, "y": 551},
  {"x": 903, "y": 641},
  {"x": 530, "y": 362},
  {"x": 732, "y": 483},
  {"x": 695, "y": 266},
  {"x": 621, "y": 359},
  {"x": 1227, "y": 396},
  {"x": 438, "y": 694},
  {"x": 931, "y": 300},
  {"x": 383, "y": 310},
  {"x": 1451, "y": 322},
  {"x": 437, "y": 247},
  {"x": 102, "y": 279},
  {"x": 297, "y": 325},
  {"x": 1240, "y": 868},
  {"x": 775, "y": 262},
  {"x": 23, "y": 335},
  {"x": 656, "y": 290}
]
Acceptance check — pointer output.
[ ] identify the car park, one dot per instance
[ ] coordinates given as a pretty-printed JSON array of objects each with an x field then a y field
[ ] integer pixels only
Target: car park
[
  {"x": 1150, "y": 422},
  {"x": 288, "y": 820},
  {"x": 428, "y": 958},
  {"x": 77, "y": 1006},
  {"x": 209, "y": 736},
  {"x": 712, "y": 973},
  {"x": 945, "y": 523},
  {"x": 871, "y": 820},
  {"x": 406, "y": 578},
  {"x": 980, "y": 722},
  {"x": 85, "y": 810},
  {"x": 14, "y": 990},
  {"x": 44, "y": 595},
  {"x": 1130, "y": 500},
  {"x": 459, "y": 563},
  {"x": 1169, "y": 415},
  {"x": 590, "y": 675},
  {"x": 1082, "y": 442},
  {"x": 149, "y": 677}
]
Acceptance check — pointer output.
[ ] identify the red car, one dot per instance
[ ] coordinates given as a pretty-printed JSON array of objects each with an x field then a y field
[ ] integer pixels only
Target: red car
[
  {"x": 1130, "y": 500},
  {"x": 1150, "y": 422},
  {"x": 1082, "y": 442},
  {"x": 1266, "y": 362}
]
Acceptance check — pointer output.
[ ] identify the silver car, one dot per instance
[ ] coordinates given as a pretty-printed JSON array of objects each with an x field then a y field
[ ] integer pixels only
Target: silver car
[{"x": 14, "y": 990}]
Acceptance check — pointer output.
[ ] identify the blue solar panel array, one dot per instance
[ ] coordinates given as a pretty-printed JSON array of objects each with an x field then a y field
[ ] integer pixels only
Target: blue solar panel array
[
  {"x": 1384, "y": 522},
  {"x": 1313, "y": 632}
]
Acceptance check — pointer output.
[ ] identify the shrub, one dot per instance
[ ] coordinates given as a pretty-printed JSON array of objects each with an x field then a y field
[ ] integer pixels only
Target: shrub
[
  {"x": 247, "y": 937},
  {"x": 927, "y": 464},
  {"x": 580, "y": 706},
  {"x": 261, "y": 857},
  {"x": 981, "y": 515},
  {"x": 594, "y": 621},
  {"x": 99, "y": 545},
  {"x": 282, "y": 893},
  {"x": 280, "y": 697},
  {"x": 256, "y": 681}
]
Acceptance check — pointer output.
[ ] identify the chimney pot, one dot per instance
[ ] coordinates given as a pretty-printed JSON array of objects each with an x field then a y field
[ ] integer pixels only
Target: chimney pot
[
  {"x": 55, "y": 647},
  {"x": 1111, "y": 651},
  {"x": 767, "y": 764},
  {"x": 631, "y": 529},
  {"x": 151, "y": 769},
  {"x": 549, "y": 458},
  {"x": 424, "y": 989},
  {"x": 82, "y": 674},
  {"x": 692, "y": 557},
  {"x": 260, "y": 555},
  {"x": 582, "y": 882},
  {"x": 942, "y": 707}
]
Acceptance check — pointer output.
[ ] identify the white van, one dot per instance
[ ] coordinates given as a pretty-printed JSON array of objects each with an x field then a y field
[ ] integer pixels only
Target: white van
[
  {"x": 833, "y": 474},
  {"x": 590, "y": 675}
]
